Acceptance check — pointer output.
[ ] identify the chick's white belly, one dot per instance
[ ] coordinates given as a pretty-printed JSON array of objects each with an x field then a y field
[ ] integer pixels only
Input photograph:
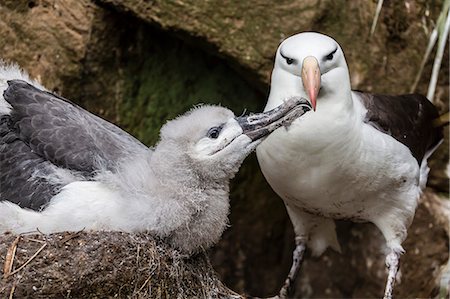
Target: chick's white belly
[{"x": 352, "y": 183}]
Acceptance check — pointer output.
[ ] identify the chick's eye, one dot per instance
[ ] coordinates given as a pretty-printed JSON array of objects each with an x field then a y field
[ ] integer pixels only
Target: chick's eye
[{"x": 214, "y": 132}]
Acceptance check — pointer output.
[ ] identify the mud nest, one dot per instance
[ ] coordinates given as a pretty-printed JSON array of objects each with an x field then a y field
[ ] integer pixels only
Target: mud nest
[{"x": 100, "y": 264}]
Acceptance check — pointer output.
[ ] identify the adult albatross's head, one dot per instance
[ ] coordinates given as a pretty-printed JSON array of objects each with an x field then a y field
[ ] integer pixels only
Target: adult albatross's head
[{"x": 310, "y": 65}]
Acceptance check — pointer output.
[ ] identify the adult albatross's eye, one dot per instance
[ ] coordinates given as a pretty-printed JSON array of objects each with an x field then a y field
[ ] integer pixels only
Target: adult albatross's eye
[
  {"x": 288, "y": 60},
  {"x": 214, "y": 132},
  {"x": 331, "y": 55}
]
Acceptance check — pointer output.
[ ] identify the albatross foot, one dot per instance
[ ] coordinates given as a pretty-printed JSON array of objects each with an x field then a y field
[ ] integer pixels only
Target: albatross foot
[{"x": 297, "y": 258}]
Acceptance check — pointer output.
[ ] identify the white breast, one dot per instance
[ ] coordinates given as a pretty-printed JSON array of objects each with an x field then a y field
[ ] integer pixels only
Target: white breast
[{"x": 336, "y": 166}]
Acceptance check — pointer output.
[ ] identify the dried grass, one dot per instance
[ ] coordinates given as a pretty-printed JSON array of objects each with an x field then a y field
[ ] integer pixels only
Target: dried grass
[{"x": 103, "y": 264}]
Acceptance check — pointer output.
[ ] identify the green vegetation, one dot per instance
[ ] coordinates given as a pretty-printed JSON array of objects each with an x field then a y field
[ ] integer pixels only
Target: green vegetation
[{"x": 173, "y": 78}]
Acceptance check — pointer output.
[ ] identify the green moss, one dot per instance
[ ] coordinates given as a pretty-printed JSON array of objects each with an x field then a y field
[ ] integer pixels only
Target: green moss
[{"x": 169, "y": 78}]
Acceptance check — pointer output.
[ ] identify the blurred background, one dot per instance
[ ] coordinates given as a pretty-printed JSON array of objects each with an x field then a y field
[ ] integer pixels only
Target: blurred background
[{"x": 139, "y": 63}]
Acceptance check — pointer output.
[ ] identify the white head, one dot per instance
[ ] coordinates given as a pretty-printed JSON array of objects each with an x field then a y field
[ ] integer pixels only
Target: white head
[
  {"x": 310, "y": 65},
  {"x": 207, "y": 141},
  {"x": 210, "y": 142}
]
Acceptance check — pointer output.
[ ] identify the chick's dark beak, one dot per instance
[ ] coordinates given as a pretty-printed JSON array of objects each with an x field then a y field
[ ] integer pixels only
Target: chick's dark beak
[{"x": 259, "y": 125}]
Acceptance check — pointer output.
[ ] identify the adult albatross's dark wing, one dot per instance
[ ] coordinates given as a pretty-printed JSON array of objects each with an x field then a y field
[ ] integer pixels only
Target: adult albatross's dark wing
[
  {"x": 407, "y": 118},
  {"x": 47, "y": 141}
]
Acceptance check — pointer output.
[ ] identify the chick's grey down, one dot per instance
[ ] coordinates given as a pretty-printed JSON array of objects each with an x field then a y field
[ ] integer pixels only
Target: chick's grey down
[
  {"x": 65, "y": 169},
  {"x": 358, "y": 156}
]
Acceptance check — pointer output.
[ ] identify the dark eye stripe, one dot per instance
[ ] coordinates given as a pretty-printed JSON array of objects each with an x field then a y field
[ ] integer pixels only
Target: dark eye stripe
[
  {"x": 288, "y": 59},
  {"x": 330, "y": 56}
]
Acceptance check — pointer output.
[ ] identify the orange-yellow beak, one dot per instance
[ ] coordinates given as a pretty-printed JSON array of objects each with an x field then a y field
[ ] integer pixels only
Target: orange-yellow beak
[{"x": 311, "y": 78}]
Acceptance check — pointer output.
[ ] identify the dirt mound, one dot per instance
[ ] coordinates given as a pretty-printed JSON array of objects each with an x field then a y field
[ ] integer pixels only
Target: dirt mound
[{"x": 99, "y": 265}]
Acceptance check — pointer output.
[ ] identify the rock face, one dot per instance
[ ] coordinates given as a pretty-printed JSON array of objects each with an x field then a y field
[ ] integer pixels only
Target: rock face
[
  {"x": 139, "y": 63},
  {"x": 46, "y": 38}
]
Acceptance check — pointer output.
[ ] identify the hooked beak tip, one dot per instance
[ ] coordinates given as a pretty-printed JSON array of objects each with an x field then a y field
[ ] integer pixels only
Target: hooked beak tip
[{"x": 313, "y": 99}]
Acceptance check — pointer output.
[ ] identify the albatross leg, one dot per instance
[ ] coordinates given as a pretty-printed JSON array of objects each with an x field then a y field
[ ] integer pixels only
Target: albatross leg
[
  {"x": 392, "y": 263},
  {"x": 297, "y": 258}
]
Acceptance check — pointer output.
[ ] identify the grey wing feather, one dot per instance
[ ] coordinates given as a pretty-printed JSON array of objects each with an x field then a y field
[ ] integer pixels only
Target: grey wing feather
[
  {"x": 22, "y": 176},
  {"x": 47, "y": 141},
  {"x": 64, "y": 133},
  {"x": 408, "y": 118}
]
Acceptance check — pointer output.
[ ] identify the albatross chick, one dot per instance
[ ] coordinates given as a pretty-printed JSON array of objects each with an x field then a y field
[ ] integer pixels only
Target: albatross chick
[{"x": 65, "y": 169}]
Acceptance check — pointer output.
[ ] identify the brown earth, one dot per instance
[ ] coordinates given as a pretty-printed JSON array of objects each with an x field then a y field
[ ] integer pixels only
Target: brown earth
[{"x": 103, "y": 265}]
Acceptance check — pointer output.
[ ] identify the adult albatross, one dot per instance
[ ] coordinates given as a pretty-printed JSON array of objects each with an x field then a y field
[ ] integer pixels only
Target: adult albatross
[
  {"x": 358, "y": 156},
  {"x": 63, "y": 168}
]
